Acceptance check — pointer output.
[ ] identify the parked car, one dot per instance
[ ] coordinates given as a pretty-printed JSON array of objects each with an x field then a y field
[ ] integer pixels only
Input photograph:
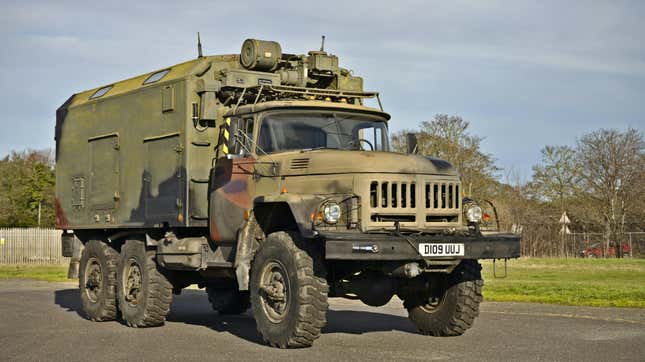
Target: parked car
[{"x": 596, "y": 250}]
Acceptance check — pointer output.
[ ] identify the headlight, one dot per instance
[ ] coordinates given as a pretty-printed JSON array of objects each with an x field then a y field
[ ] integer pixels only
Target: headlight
[
  {"x": 331, "y": 213},
  {"x": 474, "y": 214}
]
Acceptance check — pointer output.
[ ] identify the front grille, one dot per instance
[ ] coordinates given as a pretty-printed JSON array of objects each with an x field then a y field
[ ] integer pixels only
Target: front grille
[
  {"x": 442, "y": 195},
  {"x": 393, "y": 194},
  {"x": 419, "y": 201}
]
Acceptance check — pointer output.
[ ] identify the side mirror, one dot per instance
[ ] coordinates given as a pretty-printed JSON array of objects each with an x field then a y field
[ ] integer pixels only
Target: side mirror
[{"x": 412, "y": 143}]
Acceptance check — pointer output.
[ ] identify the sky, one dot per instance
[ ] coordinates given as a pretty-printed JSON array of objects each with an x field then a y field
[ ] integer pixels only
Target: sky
[{"x": 525, "y": 74}]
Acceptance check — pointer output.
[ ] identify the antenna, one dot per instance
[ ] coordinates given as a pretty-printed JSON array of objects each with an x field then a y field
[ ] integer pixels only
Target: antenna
[
  {"x": 199, "y": 46},
  {"x": 322, "y": 46}
]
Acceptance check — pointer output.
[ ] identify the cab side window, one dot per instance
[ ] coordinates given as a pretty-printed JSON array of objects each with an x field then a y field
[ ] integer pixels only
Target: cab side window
[
  {"x": 241, "y": 140},
  {"x": 265, "y": 138},
  {"x": 372, "y": 139}
]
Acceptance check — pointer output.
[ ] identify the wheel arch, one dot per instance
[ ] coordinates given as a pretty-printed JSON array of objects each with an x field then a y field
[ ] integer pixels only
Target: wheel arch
[
  {"x": 269, "y": 211},
  {"x": 285, "y": 212}
]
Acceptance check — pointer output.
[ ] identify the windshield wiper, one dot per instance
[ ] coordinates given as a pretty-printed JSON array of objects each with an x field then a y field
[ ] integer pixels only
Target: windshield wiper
[{"x": 318, "y": 148}]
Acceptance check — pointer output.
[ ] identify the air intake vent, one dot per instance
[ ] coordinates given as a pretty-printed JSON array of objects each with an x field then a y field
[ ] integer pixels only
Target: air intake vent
[
  {"x": 442, "y": 195},
  {"x": 393, "y": 194},
  {"x": 299, "y": 163}
]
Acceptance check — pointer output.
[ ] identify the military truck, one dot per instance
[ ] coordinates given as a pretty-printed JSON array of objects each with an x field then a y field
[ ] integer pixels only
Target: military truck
[{"x": 265, "y": 178}]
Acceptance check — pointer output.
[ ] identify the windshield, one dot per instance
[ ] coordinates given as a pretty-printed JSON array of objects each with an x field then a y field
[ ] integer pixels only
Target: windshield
[{"x": 298, "y": 131}]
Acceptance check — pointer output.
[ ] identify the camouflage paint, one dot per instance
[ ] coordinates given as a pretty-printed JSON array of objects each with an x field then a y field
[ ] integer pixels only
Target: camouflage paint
[{"x": 141, "y": 156}]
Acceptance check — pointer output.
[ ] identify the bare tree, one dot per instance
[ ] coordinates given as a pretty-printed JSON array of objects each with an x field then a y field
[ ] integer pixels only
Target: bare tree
[
  {"x": 612, "y": 167},
  {"x": 555, "y": 178},
  {"x": 554, "y": 181}
]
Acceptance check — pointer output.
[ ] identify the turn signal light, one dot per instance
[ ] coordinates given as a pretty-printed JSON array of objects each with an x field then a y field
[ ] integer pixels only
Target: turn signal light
[{"x": 317, "y": 216}]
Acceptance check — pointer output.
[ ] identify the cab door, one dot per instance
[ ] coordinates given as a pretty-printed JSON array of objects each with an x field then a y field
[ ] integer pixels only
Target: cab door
[{"x": 231, "y": 179}]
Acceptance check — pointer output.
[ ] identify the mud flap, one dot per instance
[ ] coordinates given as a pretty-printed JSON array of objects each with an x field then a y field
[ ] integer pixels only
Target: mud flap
[{"x": 246, "y": 247}]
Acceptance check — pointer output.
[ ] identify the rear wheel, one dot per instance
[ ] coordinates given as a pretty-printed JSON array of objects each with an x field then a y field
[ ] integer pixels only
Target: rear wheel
[
  {"x": 229, "y": 300},
  {"x": 144, "y": 293},
  {"x": 451, "y": 305},
  {"x": 289, "y": 301},
  {"x": 97, "y": 281}
]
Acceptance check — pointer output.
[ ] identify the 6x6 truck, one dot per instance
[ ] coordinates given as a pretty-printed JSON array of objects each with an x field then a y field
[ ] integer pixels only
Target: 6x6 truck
[{"x": 264, "y": 178}]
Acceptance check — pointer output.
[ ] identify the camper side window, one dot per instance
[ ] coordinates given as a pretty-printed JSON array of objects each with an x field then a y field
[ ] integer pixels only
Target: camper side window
[{"x": 101, "y": 92}]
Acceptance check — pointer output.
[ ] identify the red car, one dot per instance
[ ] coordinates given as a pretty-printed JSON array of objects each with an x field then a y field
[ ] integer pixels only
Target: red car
[{"x": 596, "y": 251}]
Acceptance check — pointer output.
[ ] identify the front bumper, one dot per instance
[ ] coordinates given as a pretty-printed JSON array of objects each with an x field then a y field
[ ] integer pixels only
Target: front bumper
[{"x": 384, "y": 247}]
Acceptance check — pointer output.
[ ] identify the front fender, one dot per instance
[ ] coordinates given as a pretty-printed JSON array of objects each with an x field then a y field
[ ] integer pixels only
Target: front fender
[{"x": 301, "y": 207}]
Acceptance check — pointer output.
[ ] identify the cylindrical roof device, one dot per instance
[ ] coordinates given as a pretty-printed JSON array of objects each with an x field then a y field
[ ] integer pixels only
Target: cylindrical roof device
[{"x": 261, "y": 55}]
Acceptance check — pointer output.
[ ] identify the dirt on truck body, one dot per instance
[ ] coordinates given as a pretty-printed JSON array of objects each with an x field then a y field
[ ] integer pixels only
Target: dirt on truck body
[{"x": 264, "y": 178}]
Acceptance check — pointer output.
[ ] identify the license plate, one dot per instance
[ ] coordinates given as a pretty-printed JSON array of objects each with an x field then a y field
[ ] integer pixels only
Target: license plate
[{"x": 441, "y": 249}]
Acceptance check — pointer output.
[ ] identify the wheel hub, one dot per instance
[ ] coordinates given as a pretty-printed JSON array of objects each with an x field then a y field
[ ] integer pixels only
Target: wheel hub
[
  {"x": 93, "y": 279},
  {"x": 274, "y": 291},
  {"x": 132, "y": 282}
]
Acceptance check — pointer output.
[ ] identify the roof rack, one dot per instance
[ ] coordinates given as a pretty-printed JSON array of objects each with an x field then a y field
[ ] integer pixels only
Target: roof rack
[{"x": 268, "y": 92}]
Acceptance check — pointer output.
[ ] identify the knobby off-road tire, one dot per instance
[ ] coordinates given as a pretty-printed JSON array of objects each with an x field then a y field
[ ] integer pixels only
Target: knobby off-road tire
[
  {"x": 144, "y": 293},
  {"x": 288, "y": 299},
  {"x": 97, "y": 281},
  {"x": 455, "y": 306},
  {"x": 228, "y": 301}
]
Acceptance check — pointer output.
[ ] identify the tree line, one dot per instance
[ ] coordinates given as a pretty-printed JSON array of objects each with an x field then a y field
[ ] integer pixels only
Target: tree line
[
  {"x": 599, "y": 183},
  {"x": 27, "y": 189}
]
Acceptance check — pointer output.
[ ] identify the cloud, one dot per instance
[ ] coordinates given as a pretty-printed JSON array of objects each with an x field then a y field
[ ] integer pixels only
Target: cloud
[{"x": 551, "y": 68}]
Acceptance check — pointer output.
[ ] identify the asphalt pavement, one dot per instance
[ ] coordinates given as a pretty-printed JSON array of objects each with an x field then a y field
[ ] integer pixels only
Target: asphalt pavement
[{"x": 43, "y": 321}]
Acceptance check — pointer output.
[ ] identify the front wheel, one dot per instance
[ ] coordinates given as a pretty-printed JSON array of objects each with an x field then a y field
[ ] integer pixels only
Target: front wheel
[
  {"x": 289, "y": 301},
  {"x": 451, "y": 305}
]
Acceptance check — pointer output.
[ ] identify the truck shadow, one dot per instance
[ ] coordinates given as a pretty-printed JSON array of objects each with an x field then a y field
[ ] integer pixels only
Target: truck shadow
[
  {"x": 192, "y": 307},
  {"x": 70, "y": 300}
]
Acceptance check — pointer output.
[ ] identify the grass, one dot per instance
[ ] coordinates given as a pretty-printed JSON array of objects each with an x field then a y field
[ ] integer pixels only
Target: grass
[
  {"x": 38, "y": 272},
  {"x": 586, "y": 282}
]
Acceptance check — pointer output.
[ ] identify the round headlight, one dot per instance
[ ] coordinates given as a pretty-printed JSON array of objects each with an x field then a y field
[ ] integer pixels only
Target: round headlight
[
  {"x": 331, "y": 212},
  {"x": 474, "y": 214}
]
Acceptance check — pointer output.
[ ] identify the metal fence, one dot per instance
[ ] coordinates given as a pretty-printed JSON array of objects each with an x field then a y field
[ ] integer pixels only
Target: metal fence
[
  {"x": 633, "y": 244},
  {"x": 43, "y": 246},
  {"x": 31, "y": 246}
]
